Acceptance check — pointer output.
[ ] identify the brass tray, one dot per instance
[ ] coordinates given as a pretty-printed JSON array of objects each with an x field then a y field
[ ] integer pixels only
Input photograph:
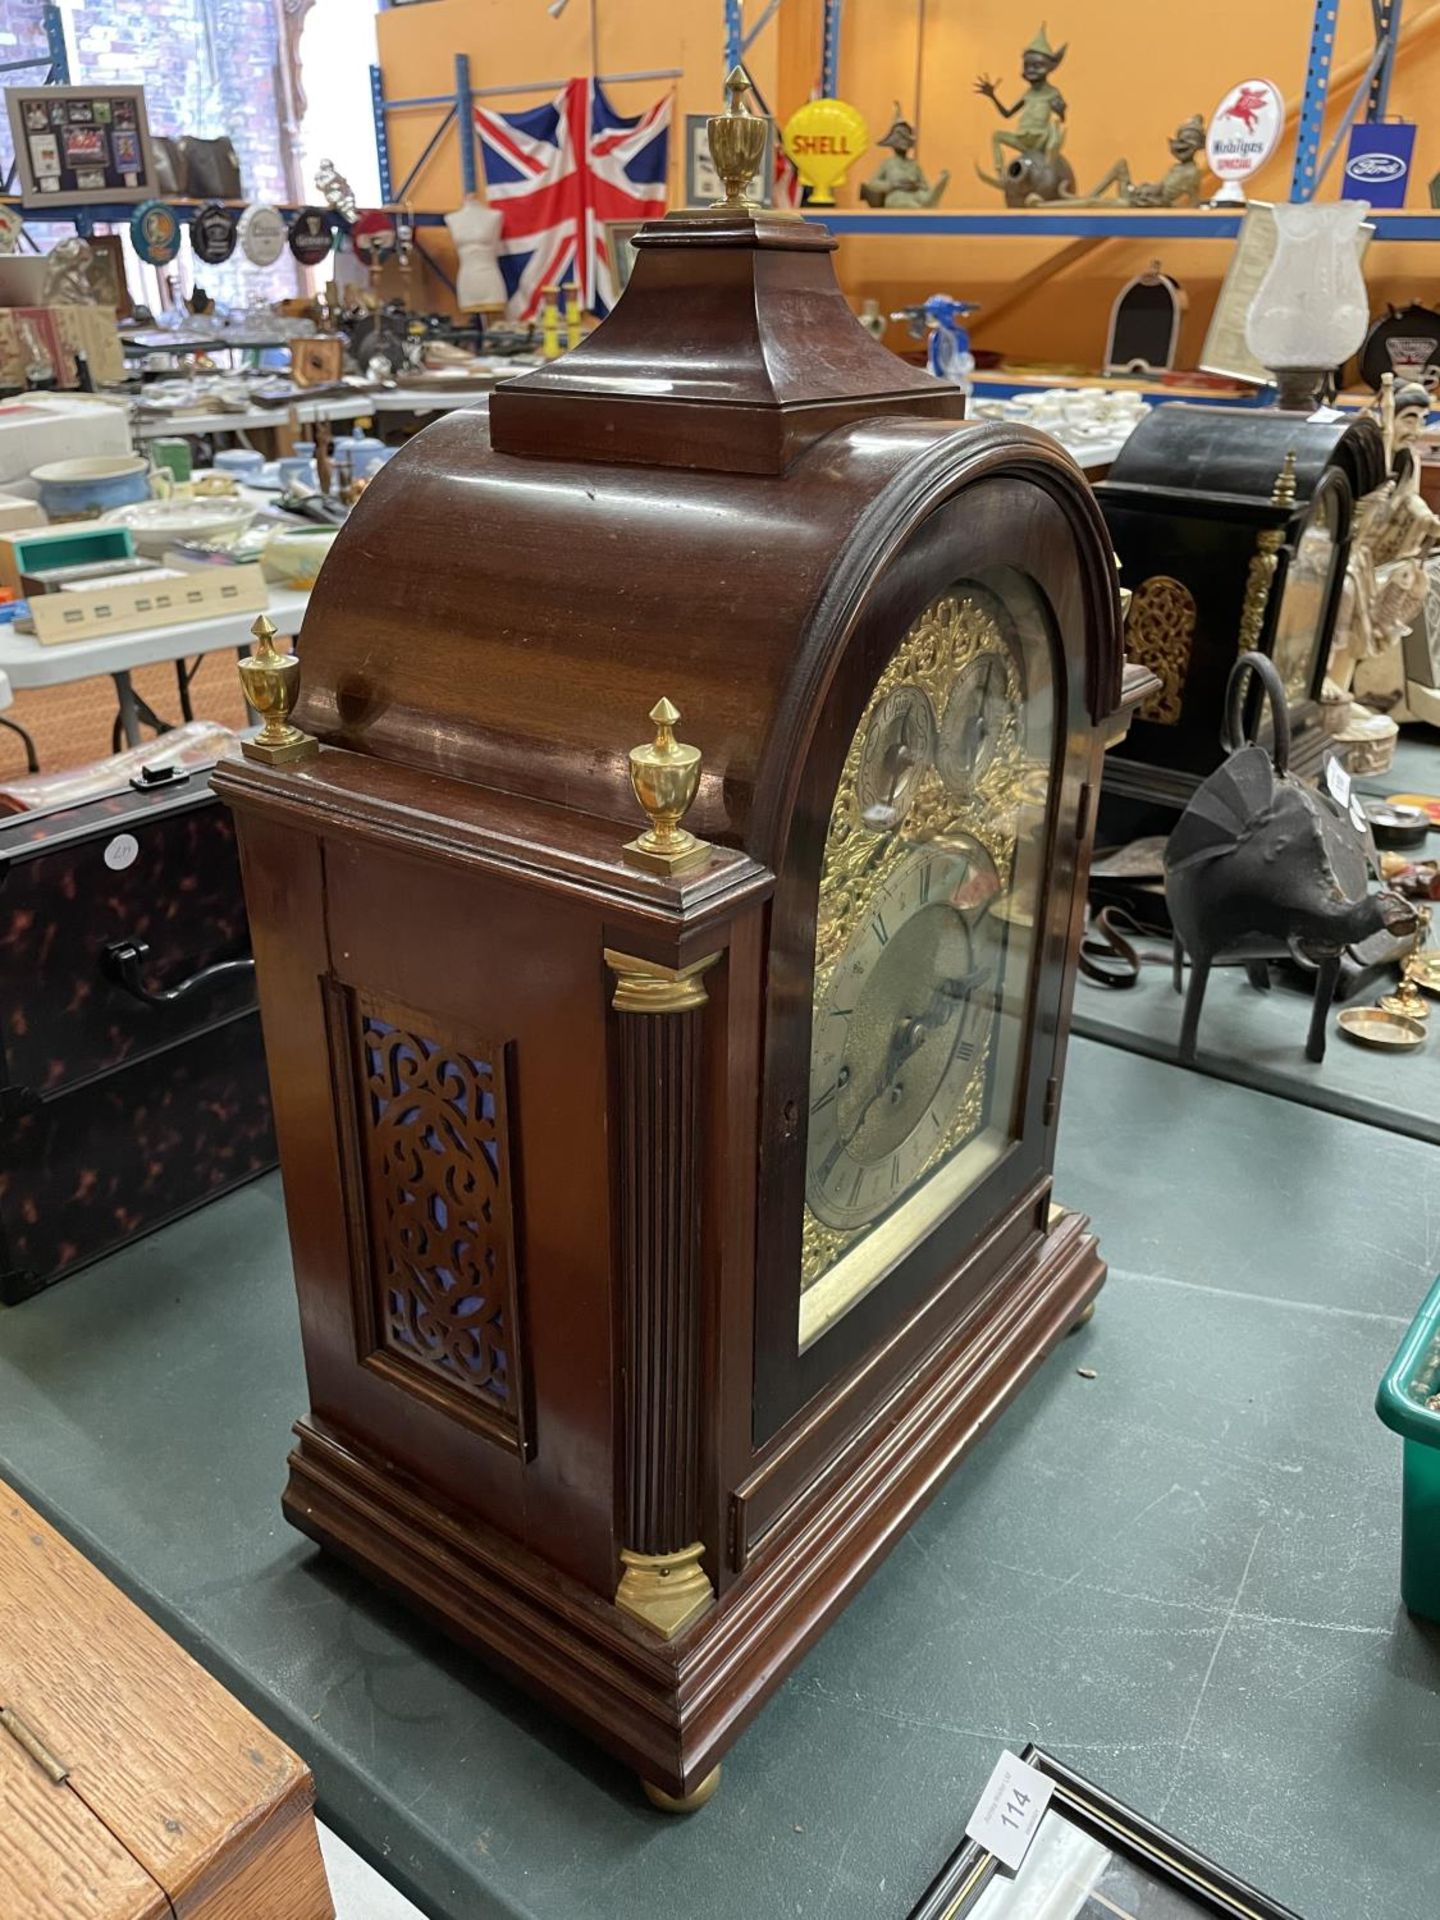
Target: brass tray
[{"x": 1373, "y": 1027}]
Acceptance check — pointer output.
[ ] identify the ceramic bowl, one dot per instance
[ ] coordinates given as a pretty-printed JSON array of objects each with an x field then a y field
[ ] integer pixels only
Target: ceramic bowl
[
  {"x": 157, "y": 525},
  {"x": 70, "y": 489}
]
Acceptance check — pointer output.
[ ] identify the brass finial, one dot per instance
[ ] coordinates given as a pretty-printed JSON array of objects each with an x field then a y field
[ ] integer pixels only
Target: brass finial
[
  {"x": 1284, "y": 494},
  {"x": 737, "y": 141},
  {"x": 271, "y": 681},
  {"x": 665, "y": 774}
]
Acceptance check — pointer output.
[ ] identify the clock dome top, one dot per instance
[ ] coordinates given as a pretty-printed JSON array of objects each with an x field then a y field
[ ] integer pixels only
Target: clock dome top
[{"x": 695, "y": 502}]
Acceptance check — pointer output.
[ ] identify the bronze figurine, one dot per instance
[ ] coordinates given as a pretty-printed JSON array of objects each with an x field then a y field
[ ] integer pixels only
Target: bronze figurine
[
  {"x": 1181, "y": 185},
  {"x": 1038, "y": 171},
  {"x": 900, "y": 180}
]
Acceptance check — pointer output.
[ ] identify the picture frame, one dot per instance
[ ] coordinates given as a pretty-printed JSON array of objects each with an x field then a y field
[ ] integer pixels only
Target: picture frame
[
  {"x": 702, "y": 183},
  {"x": 108, "y": 274},
  {"x": 81, "y": 146},
  {"x": 618, "y": 236},
  {"x": 1104, "y": 1862}
]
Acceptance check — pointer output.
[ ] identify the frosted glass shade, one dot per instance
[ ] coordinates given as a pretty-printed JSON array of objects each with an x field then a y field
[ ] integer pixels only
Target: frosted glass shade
[{"x": 1311, "y": 308}]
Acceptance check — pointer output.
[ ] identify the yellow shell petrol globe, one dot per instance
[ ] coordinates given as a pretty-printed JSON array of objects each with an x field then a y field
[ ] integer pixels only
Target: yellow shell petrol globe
[{"x": 825, "y": 138}]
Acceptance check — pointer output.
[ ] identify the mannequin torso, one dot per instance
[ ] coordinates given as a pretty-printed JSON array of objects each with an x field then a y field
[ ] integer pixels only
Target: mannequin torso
[{"x": 475, "y": 229}]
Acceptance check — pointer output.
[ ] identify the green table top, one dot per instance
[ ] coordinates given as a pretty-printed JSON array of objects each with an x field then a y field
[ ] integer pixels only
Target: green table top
[{"x": 1179, "y": 1576}]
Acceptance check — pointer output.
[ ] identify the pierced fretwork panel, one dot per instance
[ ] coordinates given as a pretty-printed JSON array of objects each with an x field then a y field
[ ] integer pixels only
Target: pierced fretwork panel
[{"x": 435, "y": 1147}]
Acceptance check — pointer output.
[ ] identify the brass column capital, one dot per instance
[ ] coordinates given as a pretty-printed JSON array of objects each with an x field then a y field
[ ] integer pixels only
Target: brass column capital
[{"x": 645, "y": 986}]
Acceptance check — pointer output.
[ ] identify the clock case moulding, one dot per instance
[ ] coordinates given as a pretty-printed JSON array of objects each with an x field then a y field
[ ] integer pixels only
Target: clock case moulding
[{"x": 733, "y": 496}]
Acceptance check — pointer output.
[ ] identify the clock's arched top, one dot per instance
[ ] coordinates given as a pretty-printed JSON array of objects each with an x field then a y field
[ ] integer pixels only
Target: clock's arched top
[{"x": 509, "y": 620}]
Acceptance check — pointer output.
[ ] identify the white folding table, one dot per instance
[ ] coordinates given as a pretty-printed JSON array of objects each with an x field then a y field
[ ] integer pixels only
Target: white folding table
[{"x": 26, "y": 664}]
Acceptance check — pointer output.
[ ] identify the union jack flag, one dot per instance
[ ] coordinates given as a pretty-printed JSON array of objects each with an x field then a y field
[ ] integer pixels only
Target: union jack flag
[{"x": 556, "y": 174}]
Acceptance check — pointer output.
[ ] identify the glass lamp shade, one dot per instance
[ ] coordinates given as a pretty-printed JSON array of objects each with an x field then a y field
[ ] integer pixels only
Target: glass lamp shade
[{"x": 1310, "y": 311}]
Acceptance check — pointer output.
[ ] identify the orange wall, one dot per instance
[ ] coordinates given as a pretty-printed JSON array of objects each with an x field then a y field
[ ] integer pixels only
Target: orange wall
[
  {"x": 515, "y": 41},
  {"x": 1130, "y": 76}
]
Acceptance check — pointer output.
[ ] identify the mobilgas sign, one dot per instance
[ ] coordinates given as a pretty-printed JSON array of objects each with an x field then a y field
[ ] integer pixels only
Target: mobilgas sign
[
  {"x": 1244, "y": 129},
  {"x": 1377, "y": 167}
]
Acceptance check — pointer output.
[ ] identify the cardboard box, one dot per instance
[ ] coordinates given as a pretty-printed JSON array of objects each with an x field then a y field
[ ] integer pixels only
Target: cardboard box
[
  {"x": 16, "y": 511},
  {"x": 39, "y": 427}
]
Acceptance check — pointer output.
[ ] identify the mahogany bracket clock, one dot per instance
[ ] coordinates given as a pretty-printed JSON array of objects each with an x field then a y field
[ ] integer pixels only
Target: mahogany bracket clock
[{"x": 667, "y": 1132}]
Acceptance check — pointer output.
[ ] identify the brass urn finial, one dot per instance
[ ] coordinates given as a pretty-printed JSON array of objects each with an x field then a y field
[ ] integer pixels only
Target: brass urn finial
[
  {"x": 1284, "y": 494},
  {"x": 665, "y": 775},
  {"x": 737, "y": 141},
  {"x": 271, "y": 681}
]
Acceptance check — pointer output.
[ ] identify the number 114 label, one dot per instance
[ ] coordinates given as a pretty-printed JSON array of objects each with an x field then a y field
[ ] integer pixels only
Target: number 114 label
[{"x": 1010, "y": 1810}]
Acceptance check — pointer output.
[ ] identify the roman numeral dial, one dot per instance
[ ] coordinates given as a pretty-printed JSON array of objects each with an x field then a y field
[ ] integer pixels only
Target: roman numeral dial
[
  {"x": 899, "y": 1036},
  {"x": 928, "y": 923}
]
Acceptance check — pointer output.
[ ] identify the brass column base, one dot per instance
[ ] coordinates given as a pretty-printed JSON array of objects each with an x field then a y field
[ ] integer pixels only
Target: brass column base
[
  {"x": 665, "y": 1590},
  {"x": 686, "y": 1802}
]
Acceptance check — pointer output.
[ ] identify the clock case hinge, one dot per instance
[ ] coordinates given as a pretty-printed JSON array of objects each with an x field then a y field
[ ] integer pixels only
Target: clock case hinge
[
  {"x": 26, "y": 1737},
  {"x": 1052, "y": 1101}
]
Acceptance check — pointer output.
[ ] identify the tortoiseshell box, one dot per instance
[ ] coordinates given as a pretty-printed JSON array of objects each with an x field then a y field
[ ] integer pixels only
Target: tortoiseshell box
[{"x": 121, "y": 1108}]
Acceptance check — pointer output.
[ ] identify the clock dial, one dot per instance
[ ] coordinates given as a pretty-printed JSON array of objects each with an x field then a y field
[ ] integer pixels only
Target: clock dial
[
  {"x": 979, "y": 714},
  {"x": 901, "y": 1031},
  {"x": 899, "y": 746},
  {"x": 925, "y": 931}
]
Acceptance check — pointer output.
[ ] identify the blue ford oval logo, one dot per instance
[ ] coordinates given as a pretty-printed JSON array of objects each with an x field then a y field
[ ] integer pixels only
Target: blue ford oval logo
[{"x": 1375, "y": 166}]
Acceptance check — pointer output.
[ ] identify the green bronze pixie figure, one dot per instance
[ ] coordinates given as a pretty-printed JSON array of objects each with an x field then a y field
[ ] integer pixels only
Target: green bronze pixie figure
[
  {"x": 900, "y": 180},
  {"x": 1041, "y": 126}
]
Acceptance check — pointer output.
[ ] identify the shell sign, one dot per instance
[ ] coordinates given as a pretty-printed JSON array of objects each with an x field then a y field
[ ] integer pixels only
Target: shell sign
[{"x": 824, "y": 139}]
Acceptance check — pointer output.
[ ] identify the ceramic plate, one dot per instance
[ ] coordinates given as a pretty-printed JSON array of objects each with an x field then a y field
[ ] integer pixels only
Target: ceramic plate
[{"x": 156, "y": 525}]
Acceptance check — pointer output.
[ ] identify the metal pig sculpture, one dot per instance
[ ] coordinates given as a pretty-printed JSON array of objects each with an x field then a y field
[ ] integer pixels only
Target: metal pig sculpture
[{"x": 1260, "y": 867}]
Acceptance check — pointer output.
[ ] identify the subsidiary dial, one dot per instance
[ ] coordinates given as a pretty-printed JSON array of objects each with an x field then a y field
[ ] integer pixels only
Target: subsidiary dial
[
  {"x": 978, "y": 714},
  {"x": 899, "y": 746}
]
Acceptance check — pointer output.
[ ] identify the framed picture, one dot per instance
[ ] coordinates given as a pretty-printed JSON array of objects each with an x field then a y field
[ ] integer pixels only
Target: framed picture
[
  {"x": 107, "y": 276},
  {"x": 81, "y": 145},
  {"x": 618, "y": 235},
  {"x": 702, "y": 183},
  {"x": 1091, "y": 1859}
]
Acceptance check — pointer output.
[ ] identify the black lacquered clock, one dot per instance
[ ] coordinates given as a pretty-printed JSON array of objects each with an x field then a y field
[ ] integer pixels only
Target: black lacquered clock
[{"x": 1232, "y": 527}]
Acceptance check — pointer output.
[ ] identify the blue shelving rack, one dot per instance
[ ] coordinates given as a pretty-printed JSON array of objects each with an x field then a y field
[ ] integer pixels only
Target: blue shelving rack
[{"x": 1056, "y": 222}]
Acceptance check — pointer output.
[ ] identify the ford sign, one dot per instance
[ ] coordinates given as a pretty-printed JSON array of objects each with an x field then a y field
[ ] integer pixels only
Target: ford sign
[
  {"x": 1375, "y": 166},
  {"x": 1378, "y": 162}
]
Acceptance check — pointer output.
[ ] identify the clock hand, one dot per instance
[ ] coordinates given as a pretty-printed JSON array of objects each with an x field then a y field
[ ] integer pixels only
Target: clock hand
[
  {"x": 910, "y": 1036},
  {"x": 901, "y": 759}
]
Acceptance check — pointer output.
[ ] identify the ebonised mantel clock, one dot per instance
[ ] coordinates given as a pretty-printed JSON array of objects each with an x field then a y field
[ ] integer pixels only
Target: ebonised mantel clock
[
  {"x": 1232, "y": 526},
  {"x": 670, "y": 1203}
]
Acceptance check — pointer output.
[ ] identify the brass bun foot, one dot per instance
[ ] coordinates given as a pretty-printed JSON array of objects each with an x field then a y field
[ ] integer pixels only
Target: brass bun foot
[
  {"x": 685, "y": 1802},
  {"x": 1086, "y": 1317}
]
